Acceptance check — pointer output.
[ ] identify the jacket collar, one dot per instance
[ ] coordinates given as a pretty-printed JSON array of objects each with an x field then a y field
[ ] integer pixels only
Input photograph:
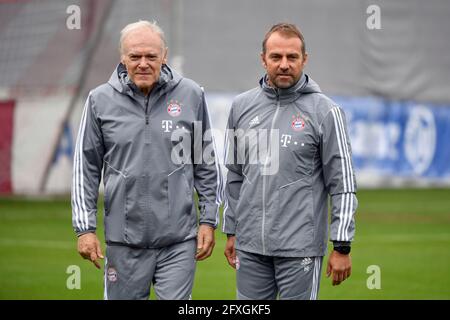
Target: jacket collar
[
  {"x": 303, "y": 85},
  {"x": 120, "y": 81}
]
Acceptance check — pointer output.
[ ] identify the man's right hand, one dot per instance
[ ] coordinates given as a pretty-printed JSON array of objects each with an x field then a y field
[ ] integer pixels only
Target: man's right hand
[
  {"x": 230, "y": 251},
  {"x": 89, "y": 248}
]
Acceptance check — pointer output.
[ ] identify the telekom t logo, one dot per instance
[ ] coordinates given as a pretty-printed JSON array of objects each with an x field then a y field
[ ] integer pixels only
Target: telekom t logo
[
  {"x": 285, "y": 140},
  {"x": 166, "y": 125}
]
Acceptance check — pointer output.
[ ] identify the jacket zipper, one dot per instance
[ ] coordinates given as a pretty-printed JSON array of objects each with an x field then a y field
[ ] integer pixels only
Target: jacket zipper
[
  {"x": 264, "y": 176},
  {"x": 147, "y": 159},
  {"x": 146, "y": 110}
]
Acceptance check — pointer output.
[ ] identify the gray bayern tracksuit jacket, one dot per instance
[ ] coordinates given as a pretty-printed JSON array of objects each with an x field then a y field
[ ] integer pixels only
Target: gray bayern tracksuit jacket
[
  {"x": 149, "y": 199},
  {"x": 285, "y": 212}
]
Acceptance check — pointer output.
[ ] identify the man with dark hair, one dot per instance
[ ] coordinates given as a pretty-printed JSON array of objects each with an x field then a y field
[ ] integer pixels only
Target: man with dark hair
[{"x": 276, "y": 220}]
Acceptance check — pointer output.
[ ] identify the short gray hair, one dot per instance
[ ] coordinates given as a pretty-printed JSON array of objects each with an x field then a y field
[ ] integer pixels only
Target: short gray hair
[{"x": 153, "y": 26}]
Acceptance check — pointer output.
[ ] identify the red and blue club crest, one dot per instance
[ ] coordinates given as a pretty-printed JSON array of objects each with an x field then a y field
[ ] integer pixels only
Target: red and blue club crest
[
  {"x": 298, "y": 123},
  {"x": 112, "y": 274},
  {"x": 174, "y": 108}
]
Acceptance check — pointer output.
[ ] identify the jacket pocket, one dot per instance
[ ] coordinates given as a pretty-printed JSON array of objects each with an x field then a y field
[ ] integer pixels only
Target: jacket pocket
[
  {"x": 107, "y": 195},
  {"x": 182, "y": 213},
  {"x": 114, "y": 201},
  {"x": 136, "y": 209},
  {"x": 304, "y": 154},
  {"x": 113, "y": 191},
  {"x": 293, "y": 227},
  {"x": 248, "y": 215}
]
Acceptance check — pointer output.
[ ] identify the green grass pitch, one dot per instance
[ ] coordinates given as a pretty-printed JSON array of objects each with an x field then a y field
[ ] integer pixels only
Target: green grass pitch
[{"x": 406, "y": 233}]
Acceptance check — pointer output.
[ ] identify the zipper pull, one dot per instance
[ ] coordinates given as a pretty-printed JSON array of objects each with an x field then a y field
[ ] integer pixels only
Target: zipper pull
[{"x": 146, "y": 119}]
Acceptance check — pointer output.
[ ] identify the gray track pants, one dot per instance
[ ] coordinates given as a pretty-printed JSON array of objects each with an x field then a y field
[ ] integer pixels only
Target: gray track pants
[
  {"x": 130, "y": 272},
  {"x": 264, "y": 278}
]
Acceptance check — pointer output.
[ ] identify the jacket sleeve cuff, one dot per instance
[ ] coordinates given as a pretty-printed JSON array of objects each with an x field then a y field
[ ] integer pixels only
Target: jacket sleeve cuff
[
  {"x": 229, "y": 228},
  {"x": 80, "y": 233},
  {"x": 342, "y": 243},
  {"x": 208, "y": 224},
  {"x": 209, "y": 215}
]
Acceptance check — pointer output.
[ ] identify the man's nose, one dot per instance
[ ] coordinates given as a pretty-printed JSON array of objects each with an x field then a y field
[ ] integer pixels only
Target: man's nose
[
  {"x": 143, "y": 63},
  {"x": 284, "y": 65}
]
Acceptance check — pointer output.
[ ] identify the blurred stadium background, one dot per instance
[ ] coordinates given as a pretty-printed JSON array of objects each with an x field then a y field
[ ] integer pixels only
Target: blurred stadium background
[{"x": 393, "y": 83}]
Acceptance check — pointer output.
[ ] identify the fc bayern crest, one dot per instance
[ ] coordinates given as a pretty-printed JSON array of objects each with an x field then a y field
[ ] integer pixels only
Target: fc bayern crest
[
  {"x": 174, "y": 108},
  {"x": 298, "y": 123},
  {"x": 112, "y": 274}
]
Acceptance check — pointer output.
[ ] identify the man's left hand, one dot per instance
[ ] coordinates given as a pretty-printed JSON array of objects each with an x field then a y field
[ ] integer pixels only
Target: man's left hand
[
  {"x": 340, "y": 266},
  {"x": 205, "y": 242}
]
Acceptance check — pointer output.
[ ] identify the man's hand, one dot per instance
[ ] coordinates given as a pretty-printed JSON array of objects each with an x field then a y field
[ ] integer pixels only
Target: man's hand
[
  {"x": 205, "y": 242},
  {"x": 230, "y": 251},
  {"x": 89, "y": 248},
  {"x": 340, "y": 266}
]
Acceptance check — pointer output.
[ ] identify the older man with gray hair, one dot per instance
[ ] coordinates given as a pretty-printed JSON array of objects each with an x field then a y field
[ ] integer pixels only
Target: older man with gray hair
[{"x": 153, "y": 232}]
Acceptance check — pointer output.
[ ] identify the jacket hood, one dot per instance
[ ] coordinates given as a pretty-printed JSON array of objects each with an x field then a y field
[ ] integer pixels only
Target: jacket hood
[
  {"x": 120, "y": 81},
  {"x": 304, "y": 85}
]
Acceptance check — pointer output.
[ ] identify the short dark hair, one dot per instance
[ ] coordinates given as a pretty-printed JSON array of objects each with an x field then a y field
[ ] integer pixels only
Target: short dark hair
[{"x": 286, "y": 29}]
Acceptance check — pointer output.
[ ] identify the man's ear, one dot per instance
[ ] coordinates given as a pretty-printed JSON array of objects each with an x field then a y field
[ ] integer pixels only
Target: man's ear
[
  {"x": 263, "y": 60},
  {"x": 165, "y": 55},
  {"x": 305, "y": 58}
]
